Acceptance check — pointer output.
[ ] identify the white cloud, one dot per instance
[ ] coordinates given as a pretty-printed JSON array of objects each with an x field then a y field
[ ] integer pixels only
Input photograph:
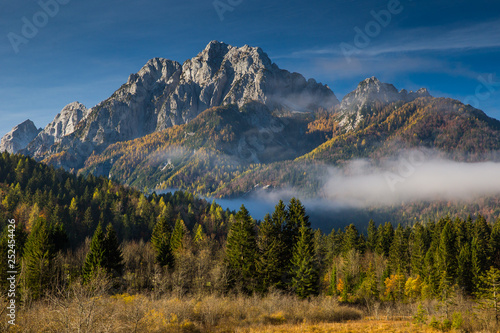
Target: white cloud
[{"x": 411, "y": 178}]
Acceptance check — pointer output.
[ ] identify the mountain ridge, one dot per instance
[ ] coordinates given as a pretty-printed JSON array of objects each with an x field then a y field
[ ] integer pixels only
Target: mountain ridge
[{"x": 164, "y": 93}]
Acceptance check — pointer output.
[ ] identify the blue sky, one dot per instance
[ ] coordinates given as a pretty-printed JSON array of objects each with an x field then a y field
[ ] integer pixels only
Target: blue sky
[{"x": 84, "y": 50}]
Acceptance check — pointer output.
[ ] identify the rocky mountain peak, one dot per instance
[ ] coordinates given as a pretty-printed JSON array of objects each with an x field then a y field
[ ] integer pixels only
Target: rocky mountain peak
[
  {"x": 19, "y": 137},
  {"x": 64, "y": 123},
  {"x": 372, "y": 91},
  {"x": 164, "y": 93},
  {"x": 369, "y": 90}
]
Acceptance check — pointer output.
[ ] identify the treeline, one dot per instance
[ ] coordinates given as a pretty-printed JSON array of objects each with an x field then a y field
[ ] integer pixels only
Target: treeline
[{"x": 29, "y": 190}]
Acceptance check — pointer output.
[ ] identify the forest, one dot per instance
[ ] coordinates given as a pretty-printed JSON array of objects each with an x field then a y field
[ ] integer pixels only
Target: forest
[{"x": 93, "y": 255}]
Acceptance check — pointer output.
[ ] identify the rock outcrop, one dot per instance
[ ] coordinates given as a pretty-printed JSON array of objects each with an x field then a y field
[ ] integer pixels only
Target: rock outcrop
[
  {"x": 368, "y": 93},
  {"x": 19, "y": 137}
]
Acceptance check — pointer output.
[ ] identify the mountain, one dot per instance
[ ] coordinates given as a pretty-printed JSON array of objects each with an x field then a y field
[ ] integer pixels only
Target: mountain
[
  {"x": 385, "y": 122},
  {"x": 165, "y": 93},
  {"x": 211, "y": 150},
  {"x": 229, "y": 121},
  {"x": 19, "y": 137},
  {"x": 371, "y": 94},
  {"x": 63, "y": 124}
]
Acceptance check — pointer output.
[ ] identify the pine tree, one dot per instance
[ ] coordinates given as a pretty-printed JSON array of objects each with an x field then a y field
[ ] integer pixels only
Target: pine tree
[
  {"x": 305, "y": 277},
  {"x": 95, "y": 257},
  {"x": 385, "y": 234},
  {"x": 447, "y": 255},
  {"x": 160, "y": 240},
  {"x": 268, "y": 262},
  {"x": 279, "y": 220},
  {"x": 350, "y": 239},
  {"x": 432, "y": 276},
  {"x": 464, "y": 269},
  {"x": 37, "y": 259},
  {"x": 488, "y": 295},
  {"x": 293, "y": 215},
  {"x": 241, "y": 250},
  {"x": 418, "y": 248},
  {"x": 371, "y": 241},
  {"x": 177, "y": 238},
  {"x": 398, "y": 253},
  {"x": 113, "y": 259},
  {"x": 495, "y": 244},
  {"x": 480, "y": 250}
]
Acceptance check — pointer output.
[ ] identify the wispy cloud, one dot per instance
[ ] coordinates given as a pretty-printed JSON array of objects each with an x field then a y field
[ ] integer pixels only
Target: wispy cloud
[
  {"x": 401, "y": 180},
  {"x": 478, "y": 36}
]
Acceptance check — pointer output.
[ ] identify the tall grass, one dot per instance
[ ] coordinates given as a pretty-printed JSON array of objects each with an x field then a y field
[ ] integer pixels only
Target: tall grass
[{"x": 82, "y": 312}]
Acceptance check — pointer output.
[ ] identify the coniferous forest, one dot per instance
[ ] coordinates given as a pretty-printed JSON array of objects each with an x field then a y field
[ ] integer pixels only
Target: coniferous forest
[{"x": 93, "y": 255}]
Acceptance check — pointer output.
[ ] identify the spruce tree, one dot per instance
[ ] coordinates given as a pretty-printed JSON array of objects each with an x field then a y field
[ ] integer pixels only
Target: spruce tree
[
  {"x": 279, "y": 221},
  {"x": 371, "y": 241},
  {"x": 268, "y": 262},
  {"x": 241, "y": 251},
  {"x": 385, "y": 234},
  {"x": 488, "y": 295},
  {"x": 160, "y": 240},
  {"x": 177, "y": 238},
  {"x": 495, "y": 244},
  {"x": 95, "y": 257},
  {"x": 447, "y": 254},
  {"x": 37, "y": 260},
  {"x": 418, "y": 248},
  {"x": 398, "y": 253},
  {"x": 464, "y": 269},
  {"x": 305, "y": 277},
  {"x": 351, "y": 239},
  {"x": 480, "y": 250},
  {"x": 295, "y": 215},
  {"x": 113, "y": 259}
]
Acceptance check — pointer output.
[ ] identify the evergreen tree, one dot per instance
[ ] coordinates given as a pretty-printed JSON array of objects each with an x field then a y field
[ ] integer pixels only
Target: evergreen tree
[
  {"x": 295, "y": 215},
  {"x": 95, "y": 257},
  {"x": 495, "y": 244},
  {"x": 480, "y": 250},
  {"x": 279, "y": 221},
  {"x": 268, "y": 262},
  {"x": 398, "y": 253},
  {"x": 113, "y": 259},
  {"x": 37, "y": 260},
  {"x": 241, "y": 250},
  {"x": 432, "y": 276},
  {"x": 488, "y": 295},
  {"x": 305, "y": 277},
  {"x": 385, "y": 234},
  {"x": 447, "y": 254},
  {"x": 350, "y": 239},
  {"x": 371, "y": 241},
  {"x": 160, "y": 240},
  {"x": 418, "y": 248},
  {"x": 177, "y": 238},
  {"x": 464, "y": 269}
]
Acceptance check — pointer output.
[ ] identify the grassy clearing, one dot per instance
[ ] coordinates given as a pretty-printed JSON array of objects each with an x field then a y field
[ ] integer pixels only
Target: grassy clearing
[
  {"x": 365, "y": 326},
  {"x": 138, "y": 313}
]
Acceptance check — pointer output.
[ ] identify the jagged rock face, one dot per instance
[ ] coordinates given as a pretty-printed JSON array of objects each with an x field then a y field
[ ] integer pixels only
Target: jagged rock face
[
  {"x": 63, "y": 124},
  {"x": 165, "y": 93},
  {"x": 19, "y": 137},
  {"x": 368, "y": 92}
]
